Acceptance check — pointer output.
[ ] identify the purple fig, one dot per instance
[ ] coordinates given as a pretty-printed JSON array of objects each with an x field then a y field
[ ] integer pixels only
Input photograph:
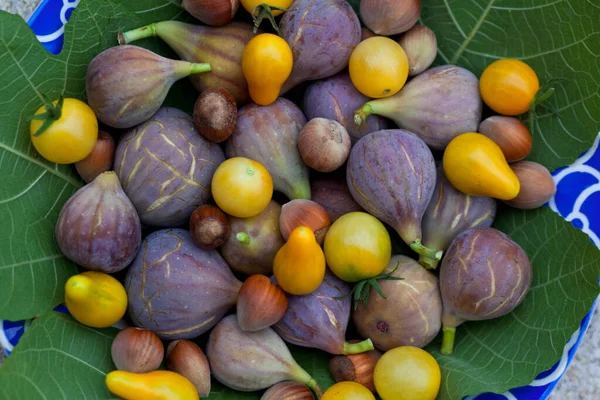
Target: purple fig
[
  {"x": 334, "y": 196},
  {"x": 320, "y": 318},
  {"x": 176, "y": 289},
  {"x": 98, "y": 227},
  {"x": 322, "y": 35},
  {"x": 411, "y": 313},
  {"x": 437, "y": 105},
  {"x": 125, "y": 85},
  {"x": 484, "y": 275},
  {"x": 269, "y": 135},
  {"x": 336, "y": 98},
  {"x": 253, "y": 242},
  {"x": 221, "y": 47},
  {"x": 391, "y": 174},
  {"x": 166, "y": 167},
  {"x": 249, "y": 361},
  {"x": 450, "y": 212}
]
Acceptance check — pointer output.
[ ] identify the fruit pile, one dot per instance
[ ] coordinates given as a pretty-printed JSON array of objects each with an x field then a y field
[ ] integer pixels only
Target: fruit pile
[{"x": 284, "y": 208}]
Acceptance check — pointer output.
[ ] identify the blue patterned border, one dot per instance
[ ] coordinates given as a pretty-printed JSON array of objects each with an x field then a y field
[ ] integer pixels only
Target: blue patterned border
[{"x": 578, "y": 193}]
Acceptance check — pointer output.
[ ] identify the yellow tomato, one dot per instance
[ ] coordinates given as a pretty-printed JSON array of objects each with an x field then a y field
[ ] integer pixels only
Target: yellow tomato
[
  {"x": 378, "y": 67},
  {"x": 95, "y": 299},
  {"x": 71, "y": 137},
  {"x": 407, "y": 373},
  {"x": 357, "y": 246},
  {"x": 242, "y": 187},
  {"x": 156, "y": 385},
  {"x": 250, "y": 5},
  {"x": 509, "y": 86},
  {"x": 348, "y": 391},
  {"x": 267, "y": 62},
  {"x": 475, "y": 165}
]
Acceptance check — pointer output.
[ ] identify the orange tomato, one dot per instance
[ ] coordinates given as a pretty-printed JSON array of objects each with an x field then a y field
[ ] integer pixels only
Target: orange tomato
[
  {"x": 509, "y": 86},
  {"x": 242, "y": 187},
  {"x": 348, "y": 391}
]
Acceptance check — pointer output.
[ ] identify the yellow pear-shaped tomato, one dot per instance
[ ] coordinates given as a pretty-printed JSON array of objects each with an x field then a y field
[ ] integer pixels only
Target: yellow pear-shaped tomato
[
  {"x": 407, "y": 373},
  {"x": 267, "y": 62},
  {"x": 250, "y": 5},
  {"x": 95, "y": 299},
  {"x": 475, "y": 165},
  {"x": 299, "y": 266},
  {"x": 242, "y": 187},
  {"x": 348, "y": 390},
  {"x": 378, "y": 67},
  {"x": 357, "y": 246},
  {"x": 156, "y": 385},
  {"x": 509, "y": 86}
]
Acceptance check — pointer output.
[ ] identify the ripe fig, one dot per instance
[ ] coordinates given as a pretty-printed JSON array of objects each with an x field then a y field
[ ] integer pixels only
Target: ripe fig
[
  {"x": 322, "y": 35},
  {"x": 391, "y": 174},
  {"x": 99, "y": 160},
  {"x": 125, "y": 85},
  {"x": 320, "y": 318},
  {"x": 176, "y": 289},
  {"x": 336, "y": 98},
  {"x": 98, "y": 227},
  {"x": 334, "y": 196},
  {"x": 411, "y": 313},
  {"x": 450, "y": 212},
  {"x": 269, "y": 135},
  {"x": 249, "y": 361},
  {"x": 484, "y": 275},
  {"x": 221, "y": 47},
  {"x": 166, "y": 167},
  {"x": 437, "y": 105},
  {"x": 253, "y": 242}
]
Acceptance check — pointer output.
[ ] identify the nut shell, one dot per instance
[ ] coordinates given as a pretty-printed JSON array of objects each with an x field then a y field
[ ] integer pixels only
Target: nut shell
[
  {"x": 510, "y": 134},
  {"x": 212, "y": 12},
  {"x": 137, "y": 350},
  {"x": 260, "y": 303},
  {"x": 537, "y": 185},
  {"x": 99, "y": 160},
  {"x": 304, "y": 213},
  {"x": 390, "y": 17},
  {"x": 420, "y": 46},
  {"x": 355, "y": 368},
  {"x": 288, "y": 390},
  {"x": 209, "y": 227},
  {"x": 187, "y": 359},
  {"x": 324, "y": 144},
  {"x": 215, "y": 114}
]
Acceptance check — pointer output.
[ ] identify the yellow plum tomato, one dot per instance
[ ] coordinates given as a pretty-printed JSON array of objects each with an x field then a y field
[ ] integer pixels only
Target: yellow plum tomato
[{"x": 348, "y": 391}]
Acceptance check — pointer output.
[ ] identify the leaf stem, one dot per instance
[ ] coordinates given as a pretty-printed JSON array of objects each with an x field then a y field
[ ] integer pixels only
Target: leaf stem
[
  {"x": 137, "y": 34},
  {"x": 448, "y": 341},
  {"x": 357, "y": 348}
]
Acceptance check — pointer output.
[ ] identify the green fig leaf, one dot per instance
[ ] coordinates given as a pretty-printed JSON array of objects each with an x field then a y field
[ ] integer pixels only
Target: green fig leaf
[{"x": 558, "y": 39}]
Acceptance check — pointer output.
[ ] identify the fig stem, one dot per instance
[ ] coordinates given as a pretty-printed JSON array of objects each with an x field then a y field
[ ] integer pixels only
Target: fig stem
[
  {"x": 137, "y": 34},
  {"x": 301, "y": 191},
  {"x": 448, "y": 341},
  {"x": 243, "y": 237},
  {"x": 357, "y": 348},
  {"x": 425, "y": 251},
  {"x": 312, "y": 383},
  {"x": 427, "y": 262},
  {"x": 362, "y": 113}
]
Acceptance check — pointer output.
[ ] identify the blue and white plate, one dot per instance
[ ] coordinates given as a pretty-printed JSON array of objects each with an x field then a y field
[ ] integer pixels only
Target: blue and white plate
[{"x": 576, "y": 199}]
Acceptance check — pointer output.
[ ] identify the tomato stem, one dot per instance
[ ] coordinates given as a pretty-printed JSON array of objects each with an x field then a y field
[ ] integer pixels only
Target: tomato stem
[
  {"x": 53, "y": 113},
  {"x": 357, "y": 348},
  {"x": 263, "y": 11},
  {"x": 361, "y": 291},
  {"x": 448, "y": 341},
  {"x": 137, "y": 34},
  {"x": 362, "y": 113}
]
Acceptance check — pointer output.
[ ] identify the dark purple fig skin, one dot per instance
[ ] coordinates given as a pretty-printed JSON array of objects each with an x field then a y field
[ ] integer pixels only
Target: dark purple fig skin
[
  {"x": 269, "y": 135},
  {"x": 264, "y": 241},
  {"x": 221, "y": 47},
  {"x": 166, "y": 167},
  {"x": 322, "y": 35},
  {"x": 391, "y": 174},
  {"x": 125, "y": 85},
  {"x": 334, "y": 196},
  {"x": 336, "y": 98},
  {"x": 98, "y": 227},
  {"x": 319, "y": 319},
  {"x": 176, "y": 289},
  {"x": 451, "y": 212},
  {"x": 484, "y": 275},
  {"x": 412, "y": 313},
  {"x": 438, "y": 105},
  {"x": 249, "y": 361}
]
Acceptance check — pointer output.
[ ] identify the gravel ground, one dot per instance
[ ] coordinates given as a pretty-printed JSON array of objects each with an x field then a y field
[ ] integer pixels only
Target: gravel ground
[{"x": 582, "y": 380}]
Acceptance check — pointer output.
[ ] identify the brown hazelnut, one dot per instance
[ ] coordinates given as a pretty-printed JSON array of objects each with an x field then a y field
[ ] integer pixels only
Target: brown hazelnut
[
  {"x": 537, "y": 185},
  {"x": 260, "y": 303},
  {"x": 99, "y": 160},
  {"x": 137, "y": 350},
  {"x": 209, "y": 227},
  {"x": 307, "y": 213},
  {"x": 324, "y": 144},
  {"x": 510, "y": 134},
  {"x": 215, "y": 114},
  {"x": 187, "y": 359}
]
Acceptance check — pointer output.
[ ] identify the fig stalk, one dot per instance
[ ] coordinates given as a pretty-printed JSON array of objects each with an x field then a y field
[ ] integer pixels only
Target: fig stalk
[
  {"x": 137, "y": 34},
  {"x": 243, "y": 237},
  {"x": 357, "y": 348},
  {"x": 448, "y": 340}
]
